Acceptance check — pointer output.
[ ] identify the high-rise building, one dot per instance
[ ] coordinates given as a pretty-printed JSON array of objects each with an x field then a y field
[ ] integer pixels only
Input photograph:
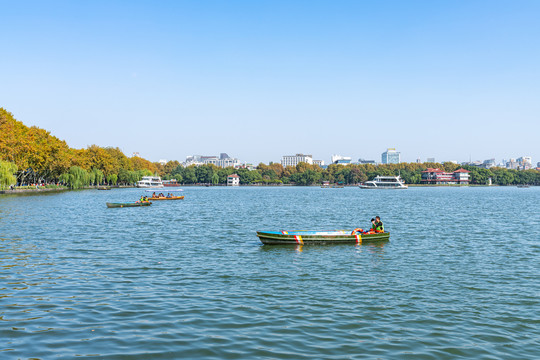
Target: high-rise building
[
  {"x": 391, "y": 156},
  {"x": 432, "y": 160},
  {"x": 525, "y": 162}
]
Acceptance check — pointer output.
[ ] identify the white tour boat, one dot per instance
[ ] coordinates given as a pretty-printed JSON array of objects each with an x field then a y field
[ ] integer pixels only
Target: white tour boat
[
  {"x": 150, "y": 182},
  {"x": 384, "y": 182}
]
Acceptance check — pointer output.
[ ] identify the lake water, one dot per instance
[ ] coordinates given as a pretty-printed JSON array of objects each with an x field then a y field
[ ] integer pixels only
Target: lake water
[{"x": 459, "y": 278}]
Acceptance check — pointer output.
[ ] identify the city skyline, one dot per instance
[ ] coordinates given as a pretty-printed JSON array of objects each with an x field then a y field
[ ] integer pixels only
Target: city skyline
[
  {"x": 200, "y": 159},
  {"x": 450, "y": 81}
]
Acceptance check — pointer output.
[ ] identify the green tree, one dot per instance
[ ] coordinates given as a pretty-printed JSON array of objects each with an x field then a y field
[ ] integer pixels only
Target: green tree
[
  {"x": 112, "y": 179},
  {"x": 75, "y": 178},
  {"x": 7, "y": 174}
]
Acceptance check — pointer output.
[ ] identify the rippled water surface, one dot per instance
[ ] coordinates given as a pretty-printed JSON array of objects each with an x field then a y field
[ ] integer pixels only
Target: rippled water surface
[{"x": 459, "y": 277}]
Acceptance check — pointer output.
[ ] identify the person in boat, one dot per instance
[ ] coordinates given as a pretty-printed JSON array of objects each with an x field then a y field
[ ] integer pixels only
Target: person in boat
[
  {"x": 373, "y": 226},
  {"x": 379, "y": 226},
  {"x": 154, "y": 194}
]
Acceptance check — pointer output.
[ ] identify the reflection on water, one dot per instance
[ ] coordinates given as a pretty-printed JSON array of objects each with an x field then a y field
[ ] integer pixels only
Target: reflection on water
[{"x": 191, "y": 280}]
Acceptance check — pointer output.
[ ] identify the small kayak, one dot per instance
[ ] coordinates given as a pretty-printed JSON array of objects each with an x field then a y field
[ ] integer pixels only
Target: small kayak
[
  {"x": 167, "y": 198},
  {"x": 132, "y": 204},
  {"x": 304, "y": 237}
]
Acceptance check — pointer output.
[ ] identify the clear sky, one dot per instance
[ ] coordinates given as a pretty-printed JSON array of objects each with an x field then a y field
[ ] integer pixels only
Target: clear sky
[{"x": 261, "y": 79}]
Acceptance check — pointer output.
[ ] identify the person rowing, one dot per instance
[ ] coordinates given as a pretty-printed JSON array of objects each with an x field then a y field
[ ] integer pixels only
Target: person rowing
[
  {"x": 379, "y": 226},
  {"x": 376, "y": 227}
]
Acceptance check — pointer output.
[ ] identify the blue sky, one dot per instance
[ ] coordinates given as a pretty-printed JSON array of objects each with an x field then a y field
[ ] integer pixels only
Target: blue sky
[{"x": 261, "y": 79}]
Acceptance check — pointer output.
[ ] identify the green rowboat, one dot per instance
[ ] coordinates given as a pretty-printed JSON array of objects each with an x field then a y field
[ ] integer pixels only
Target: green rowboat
[
  {"x": 135, "y": 204},
  {"x": 304, "y": 237}
]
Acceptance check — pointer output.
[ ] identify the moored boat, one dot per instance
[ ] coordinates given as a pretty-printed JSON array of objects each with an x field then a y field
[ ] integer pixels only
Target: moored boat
[
  {"x": 104, "y": 188},
  {"x": 170, "y": 183},
  {"x": 304, "y": 237},
  {"x": 150, "y": 182},
  {"x": 131, "y": 204}
]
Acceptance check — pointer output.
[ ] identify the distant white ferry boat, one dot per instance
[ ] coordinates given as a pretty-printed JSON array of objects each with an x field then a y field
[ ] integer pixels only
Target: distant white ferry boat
[
  {"x": 150, "y": 182},
  {"x": 384, "y": 182}
]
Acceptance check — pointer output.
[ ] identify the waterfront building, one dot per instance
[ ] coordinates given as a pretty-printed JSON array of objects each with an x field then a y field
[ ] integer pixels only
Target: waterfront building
[
  {"x": 319, "y": 163},
  {"x": 233, "y": 180},
  {"x": 293, "y": 160},
  {"x": 391, "y": 156},
  {"x": 437, "y": 176}
]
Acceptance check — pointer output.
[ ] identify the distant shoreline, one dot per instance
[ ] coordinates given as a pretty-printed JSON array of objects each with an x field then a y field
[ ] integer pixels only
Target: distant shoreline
[{"x": 49, "y": 190}]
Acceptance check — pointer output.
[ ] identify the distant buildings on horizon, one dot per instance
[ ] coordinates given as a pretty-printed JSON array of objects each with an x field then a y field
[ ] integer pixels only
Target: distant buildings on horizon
[{"x": 390, "y": 156}]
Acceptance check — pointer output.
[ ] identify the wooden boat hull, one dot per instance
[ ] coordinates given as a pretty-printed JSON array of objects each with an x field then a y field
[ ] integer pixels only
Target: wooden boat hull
[
  {"x": 104, "y": 188},
  {"x": 167, "y": 198},
  {"x": 305, "y": 237},
  {"x": 122, "y": 205}
]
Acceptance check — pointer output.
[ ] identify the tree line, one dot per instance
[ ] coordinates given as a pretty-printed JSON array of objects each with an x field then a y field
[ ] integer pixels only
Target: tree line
[
  {"x": 30, "y": 155},
  {"x": 306, "y": 174}
]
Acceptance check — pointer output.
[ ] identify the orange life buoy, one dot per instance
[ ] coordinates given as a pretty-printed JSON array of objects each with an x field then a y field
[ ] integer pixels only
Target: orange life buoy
[{"x": 357, "y": 230}]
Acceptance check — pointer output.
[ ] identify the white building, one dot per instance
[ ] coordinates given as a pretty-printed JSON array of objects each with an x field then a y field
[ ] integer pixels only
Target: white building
[
  {"x": 162, "y": 161},
  {"x": 318, "y": 162},
  {"x": 293, "y": 160},
  {"x": 338, "y": 159},
  {"x": 223, "y": 160},
  {"x": 233, "y": 180}
]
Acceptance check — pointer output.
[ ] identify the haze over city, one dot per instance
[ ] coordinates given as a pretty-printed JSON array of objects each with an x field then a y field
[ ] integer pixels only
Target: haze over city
[{"x": 259, "y": 80}]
